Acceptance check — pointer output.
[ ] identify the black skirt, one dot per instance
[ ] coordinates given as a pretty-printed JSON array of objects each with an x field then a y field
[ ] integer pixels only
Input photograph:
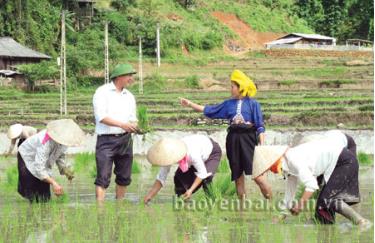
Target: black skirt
[
  {"x": 240, "y": 144},
  {"x": 29, "y": 186},
  {"x": 183, "y": 181},
  {"x": 342, "y": 186}
]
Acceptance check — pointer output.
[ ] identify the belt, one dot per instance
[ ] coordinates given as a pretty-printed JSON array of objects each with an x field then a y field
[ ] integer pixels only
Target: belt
[{"x": 112, "y": 135}]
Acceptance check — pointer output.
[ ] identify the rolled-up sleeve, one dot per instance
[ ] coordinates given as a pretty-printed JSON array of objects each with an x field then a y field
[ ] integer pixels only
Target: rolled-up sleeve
[
  {"x": 219, "y": 111},
  {"x": 163, "y": 174},
  {"x": 258, "y": 118},
  {"x": 99, "y": 102},
  {"x": 61, "y": 163},
  {"x": 39, "y": 165},
  {"x": 198, "y": 164},
  {"x": 307, "y": 179}
]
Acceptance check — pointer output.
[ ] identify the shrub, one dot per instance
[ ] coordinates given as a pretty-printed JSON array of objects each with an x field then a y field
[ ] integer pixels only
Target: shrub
[{"x": 192, "y": 81}]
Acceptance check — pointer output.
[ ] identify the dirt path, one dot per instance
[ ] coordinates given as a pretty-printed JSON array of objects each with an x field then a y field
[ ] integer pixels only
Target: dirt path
[{"x": 248, "y": 38}]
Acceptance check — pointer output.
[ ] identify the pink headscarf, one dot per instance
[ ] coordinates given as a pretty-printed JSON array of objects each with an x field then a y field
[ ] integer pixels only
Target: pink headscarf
[
  {"x": 46, "y": 139},
  {"x": 183, "y": 164}
]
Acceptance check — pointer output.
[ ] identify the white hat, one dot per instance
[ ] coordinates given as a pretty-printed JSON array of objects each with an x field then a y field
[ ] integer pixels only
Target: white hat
[
  {"x": 65, "y": 132},
  {"x": 166, "y": 151},
  {"x": 265, "y": 156},
  {"x": 15, "y": 131}
]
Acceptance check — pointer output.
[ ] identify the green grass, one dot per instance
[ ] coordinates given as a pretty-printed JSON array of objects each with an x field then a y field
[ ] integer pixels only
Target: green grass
[
  {"x": 365, "y": 159},
  {"x": 192, "y": 81},
  {"x": 257, "y": 54},
  {"x": 12, "y": 177},
  {"x": 223, "y": 166},
  {"x": 221, "y": 187},
  {"x": 82, "y": 161},
  {"x": 288, "y": 82},
  {"x": 322, "y": 72},
  {"x": 163, "y": 86},
  {"x": 136, "y": 167},
  {"x": 337, "y": 83}
]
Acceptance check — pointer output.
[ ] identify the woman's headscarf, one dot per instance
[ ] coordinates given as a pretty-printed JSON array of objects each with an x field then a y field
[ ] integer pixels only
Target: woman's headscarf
[{"x": 247, "y": 86}]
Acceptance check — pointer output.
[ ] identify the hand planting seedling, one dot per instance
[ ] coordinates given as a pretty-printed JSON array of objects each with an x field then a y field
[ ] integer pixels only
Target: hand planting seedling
[{"x": 68, "y": 173}]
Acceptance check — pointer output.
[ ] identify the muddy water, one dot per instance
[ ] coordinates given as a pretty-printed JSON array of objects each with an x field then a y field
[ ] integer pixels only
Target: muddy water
[{"x": 131, "y": 221}]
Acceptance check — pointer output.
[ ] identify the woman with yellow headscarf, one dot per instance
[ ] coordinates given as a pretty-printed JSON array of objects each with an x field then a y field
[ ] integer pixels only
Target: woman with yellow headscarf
[{"x": 246, "y": 126}]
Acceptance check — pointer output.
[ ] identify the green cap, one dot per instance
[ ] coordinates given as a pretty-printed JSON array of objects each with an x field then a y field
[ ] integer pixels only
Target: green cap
[{"x": 122, "y": 69}]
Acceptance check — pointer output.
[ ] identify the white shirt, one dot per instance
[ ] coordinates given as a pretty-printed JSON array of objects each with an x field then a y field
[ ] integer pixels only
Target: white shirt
[
  {"x": 199, "y": 148},
  {"x": 39, "y": 157},
  {"x": 120, "y": 106},
  {"x": 305, "y": 162}
]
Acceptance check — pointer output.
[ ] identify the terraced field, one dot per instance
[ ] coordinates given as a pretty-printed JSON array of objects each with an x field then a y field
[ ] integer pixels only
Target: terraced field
[
  {"x": 305, "y": 110},
  {"x": 296, "y": 90}
]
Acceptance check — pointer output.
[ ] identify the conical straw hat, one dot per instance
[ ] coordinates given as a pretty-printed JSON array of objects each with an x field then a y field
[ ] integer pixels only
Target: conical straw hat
[
  {"x": 166, "y": 151},
  {"x": 14, "y": 131},
  {"x": 265, "y": 156},
  {"x": 65, "y": 132},
  {"x": 310, "y": 138}
]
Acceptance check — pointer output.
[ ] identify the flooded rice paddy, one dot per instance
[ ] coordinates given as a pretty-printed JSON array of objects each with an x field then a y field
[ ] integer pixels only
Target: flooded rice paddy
[{"x": 77, "y": 218}]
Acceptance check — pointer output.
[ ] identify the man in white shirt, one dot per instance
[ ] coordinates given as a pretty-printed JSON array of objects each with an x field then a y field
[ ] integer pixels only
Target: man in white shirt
[
  {"x": 115, "y": 118},
  {"x": 332, "y": 159},
  {"x": 198, "y": 157}
]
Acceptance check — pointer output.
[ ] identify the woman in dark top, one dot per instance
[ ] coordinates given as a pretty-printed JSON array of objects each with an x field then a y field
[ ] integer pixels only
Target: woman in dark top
[{"x": 245, "y": 131}]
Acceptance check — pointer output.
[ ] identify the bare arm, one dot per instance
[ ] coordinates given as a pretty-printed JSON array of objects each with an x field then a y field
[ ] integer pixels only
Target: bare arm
[
  {"x": 189, "y": 192},
  {"x": 302, "y": 202},
  {"x": 188, "y": 103},
  {"x": 11, "y": 147},
  {"x": 57, "y": 189},
  {"x": 153, "y": 191}
]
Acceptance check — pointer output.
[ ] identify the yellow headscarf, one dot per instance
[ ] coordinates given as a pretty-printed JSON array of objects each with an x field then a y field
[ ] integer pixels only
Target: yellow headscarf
[{"x": 247, "y": 86}]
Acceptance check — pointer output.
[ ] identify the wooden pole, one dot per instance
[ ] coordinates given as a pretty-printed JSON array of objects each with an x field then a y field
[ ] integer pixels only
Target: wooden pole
[
  {"x": 140, "y": 71},
  {"x": 63, "y": 99},
  {"x": 158, "y": 43}
]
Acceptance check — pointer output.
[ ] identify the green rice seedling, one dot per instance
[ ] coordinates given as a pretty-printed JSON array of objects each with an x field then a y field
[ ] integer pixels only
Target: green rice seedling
[
  {"x": 62, "y": 199},
  {"x": 93, "y": 171},
  {"x": 143, "y": 121},
  {"x": 82, "y": 161},
  {"x": 12, "y": 176},
  {"x": 312, "y": 200},
  {"x": 136, "y": 167},
  {"x": 287, "y": 82},
  {"x": 223, "y": 166},
  {"x": 221, "y": 187},
  {"x": 365, "y": 159}
]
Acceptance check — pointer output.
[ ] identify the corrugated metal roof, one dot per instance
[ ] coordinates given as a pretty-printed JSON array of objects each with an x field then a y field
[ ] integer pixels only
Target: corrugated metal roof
[
  {"x": 11, "y": 48},
  {"x": 312, "y": 36},
  {"x": 284, "y": 41},
  {"x": 8, "y": 73}
]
